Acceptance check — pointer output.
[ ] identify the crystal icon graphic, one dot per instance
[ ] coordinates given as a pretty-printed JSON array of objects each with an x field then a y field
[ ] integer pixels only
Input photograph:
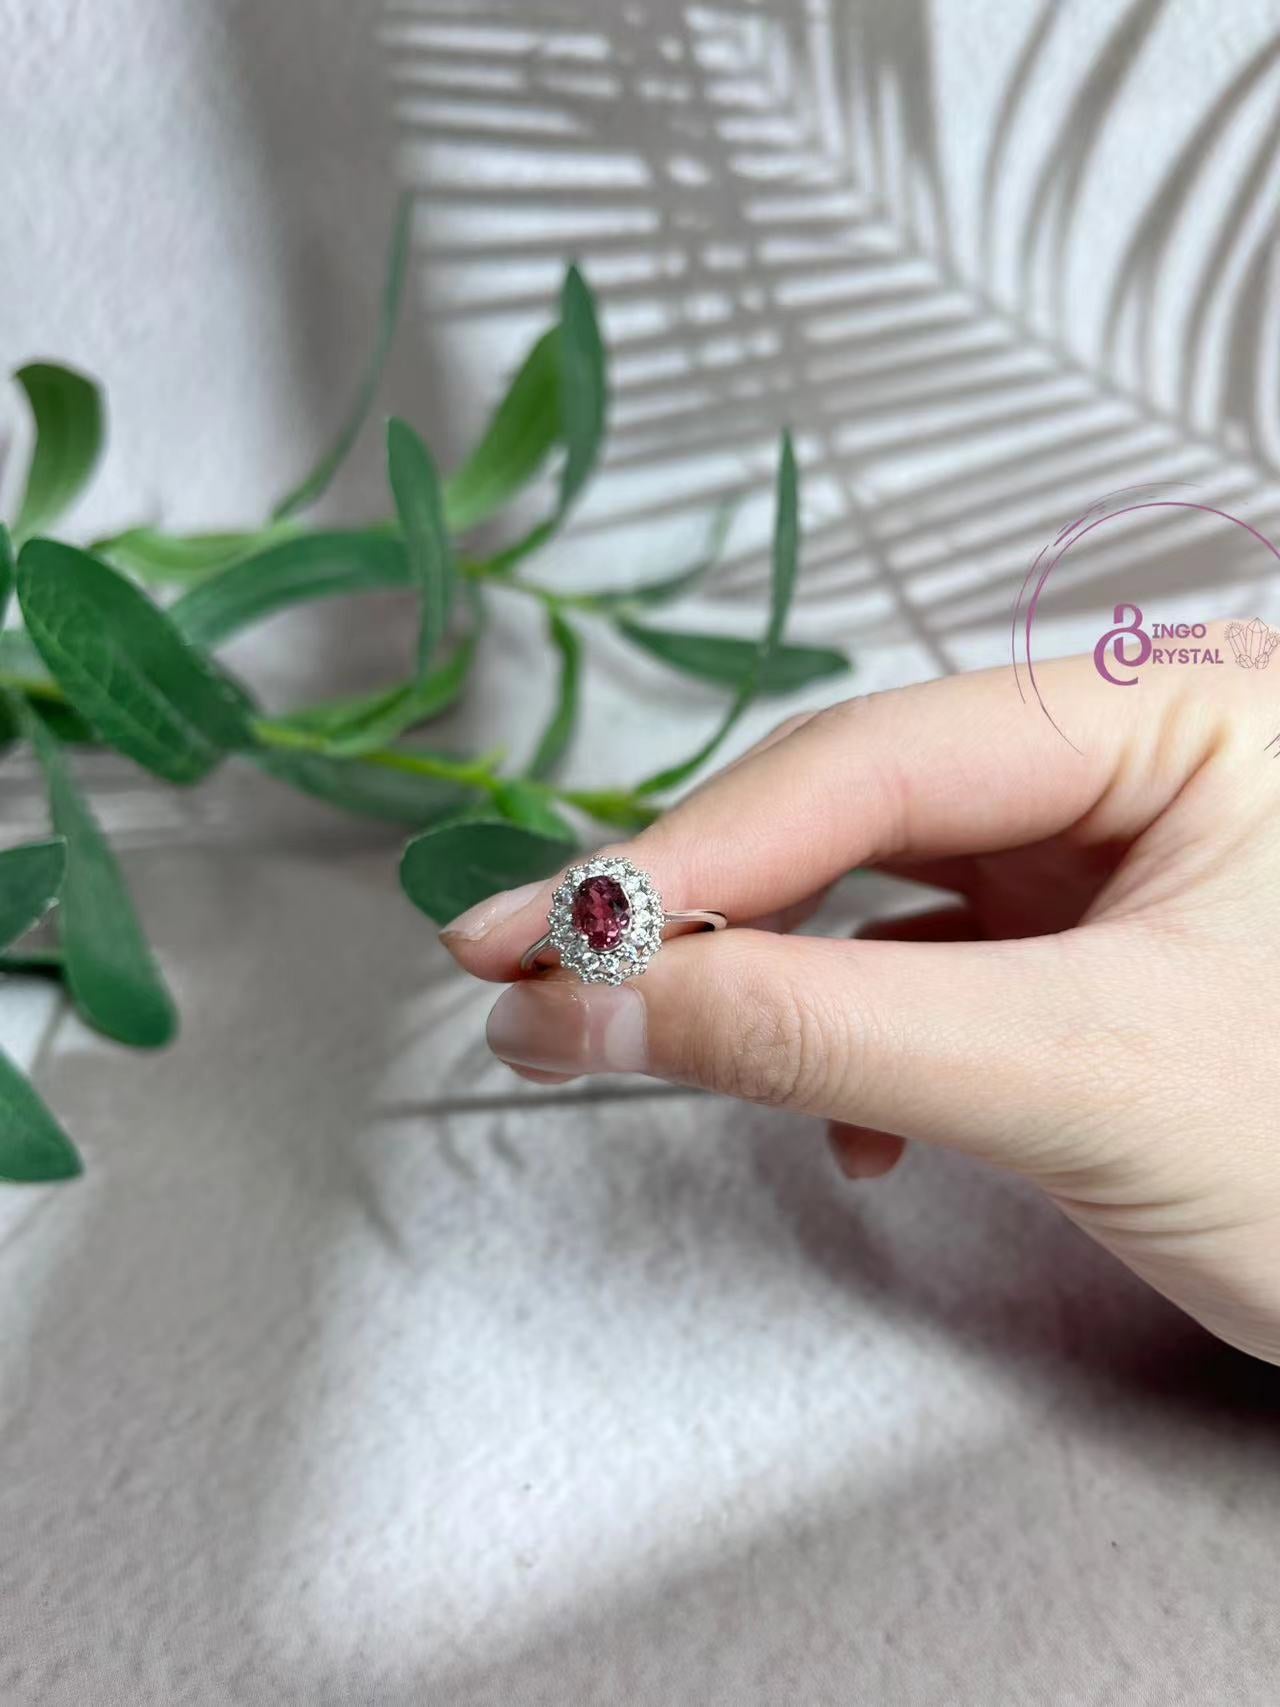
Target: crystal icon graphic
[{"x": 1253, "y": 643}]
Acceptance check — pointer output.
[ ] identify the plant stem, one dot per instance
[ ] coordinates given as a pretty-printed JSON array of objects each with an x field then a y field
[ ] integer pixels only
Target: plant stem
[
  {"x": 32, "y": 963},
  {"x": 618, "y": 808},
  {"x": 472, "y": 773},
  {"x": 481, "y": 569},
  {"x": 32, "y": 687}
]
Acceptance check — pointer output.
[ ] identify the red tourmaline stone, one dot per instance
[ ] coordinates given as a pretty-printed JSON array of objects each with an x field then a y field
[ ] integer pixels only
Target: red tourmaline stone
[{"x": 601, "y": 912}]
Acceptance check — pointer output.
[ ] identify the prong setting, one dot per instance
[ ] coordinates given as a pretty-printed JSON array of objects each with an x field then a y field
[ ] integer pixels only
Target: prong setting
[{"x": 641, "y": 938}]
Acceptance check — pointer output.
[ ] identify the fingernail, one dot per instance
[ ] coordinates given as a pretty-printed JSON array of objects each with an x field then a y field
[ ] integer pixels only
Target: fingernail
[
  {"x": 861, "y": 1154},
  {"x": 570, "y": 1028},
  {"x": 852, "y": 1163},
  {"x": 477, "y": 921}
]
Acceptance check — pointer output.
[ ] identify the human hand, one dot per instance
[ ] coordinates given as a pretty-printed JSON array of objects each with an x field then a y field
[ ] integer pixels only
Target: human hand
[{"x": 1091, "y": 1013}]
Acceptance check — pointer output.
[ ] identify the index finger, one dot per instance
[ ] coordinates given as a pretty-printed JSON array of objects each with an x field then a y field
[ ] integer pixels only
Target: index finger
[{"x": 954, "y": 766}]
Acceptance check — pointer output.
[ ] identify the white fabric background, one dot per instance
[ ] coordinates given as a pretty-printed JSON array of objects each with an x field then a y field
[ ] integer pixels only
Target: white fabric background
[{"x": 354, "y": 1372}]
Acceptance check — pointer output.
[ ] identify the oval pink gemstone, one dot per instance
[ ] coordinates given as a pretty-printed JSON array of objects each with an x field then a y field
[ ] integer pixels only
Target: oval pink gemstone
[{"x": 601, "y": 912}]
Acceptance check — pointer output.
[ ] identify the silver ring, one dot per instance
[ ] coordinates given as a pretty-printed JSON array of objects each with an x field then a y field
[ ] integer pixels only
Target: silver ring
[{"x": 606, "y": 921}]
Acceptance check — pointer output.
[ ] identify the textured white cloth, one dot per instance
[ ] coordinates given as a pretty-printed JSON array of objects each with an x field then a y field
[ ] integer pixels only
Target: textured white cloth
[{"x": 354, "y": 1371}]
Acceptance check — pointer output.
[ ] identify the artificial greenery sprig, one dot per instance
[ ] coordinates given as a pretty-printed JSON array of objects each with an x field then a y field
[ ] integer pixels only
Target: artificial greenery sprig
[{"x": 118, "y": 646}]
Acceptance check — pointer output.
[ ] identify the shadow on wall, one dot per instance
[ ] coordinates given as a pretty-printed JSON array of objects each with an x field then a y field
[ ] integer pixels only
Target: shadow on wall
[
  {"x": 759, "y": 194},
  {"x": 312, "y": 85},
  {"x": 315, "y": 98}
]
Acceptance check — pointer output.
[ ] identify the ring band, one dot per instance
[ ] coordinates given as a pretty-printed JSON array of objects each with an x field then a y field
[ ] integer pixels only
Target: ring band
[{"x": 606, "y": 921}]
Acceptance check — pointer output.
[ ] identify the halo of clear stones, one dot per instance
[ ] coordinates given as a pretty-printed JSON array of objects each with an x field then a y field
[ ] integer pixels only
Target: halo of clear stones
[{"x": 641, "y": 940}]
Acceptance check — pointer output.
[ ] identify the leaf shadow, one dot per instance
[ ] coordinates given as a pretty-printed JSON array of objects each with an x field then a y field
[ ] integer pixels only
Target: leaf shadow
[{"x": 762, "y": 203}]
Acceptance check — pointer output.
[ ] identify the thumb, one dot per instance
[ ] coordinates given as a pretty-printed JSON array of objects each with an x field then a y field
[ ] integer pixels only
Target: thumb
[{"x": 997, "y": 1048}]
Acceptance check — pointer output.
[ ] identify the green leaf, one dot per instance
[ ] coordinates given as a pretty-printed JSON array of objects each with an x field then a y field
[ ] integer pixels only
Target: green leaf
[
  {"x": 158, "y": 559},
  {"x": 671, "y": 587},
  {"x": 583, "y": 386},
  {"x": 360, "y": 724},
  {"x": 70, "y": 428},
  {"x": 355, "y": 726},
  {"x": 717, "y": 658},
  {"x": 525, "y": 804},
  {"x": 113, "y": 979},
  {"x": 33, "y": 1147},
  {"x": 559, "y": 731},
  {"x": 292, "y": 572},
  {"x": 308, "y": 490},
  {"x": 785, "y": 550},
  {"x": 334, "y": 718},
  {"x": 30, "y": 877},
  {"x": 125, "y": 667},
  {"x": 6, "y": 571},
  {"x": 583, "y": 397},
  {"x": 448, "y": 869},
  {"x": 398, "y": 797},
  {"x": 416, "y": 489},
  {"x": 516, "y": 443}
]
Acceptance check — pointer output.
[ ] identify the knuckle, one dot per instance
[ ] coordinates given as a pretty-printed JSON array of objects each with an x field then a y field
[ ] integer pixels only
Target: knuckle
[
  {"x": 845, "y": 711},
  {"x": 834, "y": 720},
  {"x": 883, "y": 782},
  {"x": 777, "y": 1048},
  {"x": 789, "y": 725}
]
